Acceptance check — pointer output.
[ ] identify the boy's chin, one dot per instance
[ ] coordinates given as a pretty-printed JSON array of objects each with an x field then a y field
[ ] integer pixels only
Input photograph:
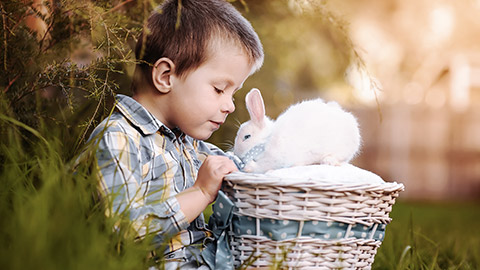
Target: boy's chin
[{"x": 202, "y": 136}]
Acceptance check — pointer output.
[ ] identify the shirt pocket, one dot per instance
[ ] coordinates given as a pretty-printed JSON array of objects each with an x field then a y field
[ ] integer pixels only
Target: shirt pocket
[{"x": 162, "y": 169}]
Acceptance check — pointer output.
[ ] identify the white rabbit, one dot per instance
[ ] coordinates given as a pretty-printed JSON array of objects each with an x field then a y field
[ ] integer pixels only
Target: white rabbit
[{"x": 309, "y": 132}]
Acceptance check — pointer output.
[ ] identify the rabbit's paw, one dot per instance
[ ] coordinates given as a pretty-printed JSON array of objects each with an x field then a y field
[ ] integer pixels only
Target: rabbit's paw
[
  {"x": 331, "y": 160},
  {"x": 250, "y": 167}
]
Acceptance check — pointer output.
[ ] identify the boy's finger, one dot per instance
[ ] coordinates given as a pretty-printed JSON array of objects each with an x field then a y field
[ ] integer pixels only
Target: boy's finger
[
  {"x": 229, "y": 166},
  {"x": 224, "y": 161},
  {"x": 233, "y": 167},
  {"x": 216, "y": 159}
]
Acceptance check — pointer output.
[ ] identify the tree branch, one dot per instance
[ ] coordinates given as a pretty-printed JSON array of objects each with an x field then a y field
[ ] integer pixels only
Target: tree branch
[
  {"x": 118, "y": 6},
  {"x": 10, "y": 83}
]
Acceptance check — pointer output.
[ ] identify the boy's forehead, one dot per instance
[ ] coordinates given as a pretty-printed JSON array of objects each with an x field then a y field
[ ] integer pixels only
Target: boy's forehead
[
  {"x": 218, "y": 43},
  {"x": 220, "y": 47},
  {"x": 222, "y": 64}
]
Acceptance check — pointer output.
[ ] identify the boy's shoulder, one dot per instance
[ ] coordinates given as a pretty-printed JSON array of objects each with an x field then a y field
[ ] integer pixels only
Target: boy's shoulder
[
  {"x": 129, "y": 117},
  {"x": 116, "y": 122}
]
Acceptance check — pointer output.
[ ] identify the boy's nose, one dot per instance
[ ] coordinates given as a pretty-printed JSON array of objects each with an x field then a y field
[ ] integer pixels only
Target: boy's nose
[{"x": 228, "y": 106}]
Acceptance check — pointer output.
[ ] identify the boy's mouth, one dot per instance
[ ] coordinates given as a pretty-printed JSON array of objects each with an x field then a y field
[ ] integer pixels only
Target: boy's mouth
[{"x": 216, "y": 124}]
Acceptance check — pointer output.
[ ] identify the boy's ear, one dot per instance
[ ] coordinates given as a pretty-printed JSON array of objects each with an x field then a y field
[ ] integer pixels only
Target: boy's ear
[{"x": 162, "y": 73}]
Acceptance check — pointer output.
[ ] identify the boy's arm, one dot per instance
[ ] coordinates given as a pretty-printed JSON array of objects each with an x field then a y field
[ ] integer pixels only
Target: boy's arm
[
  {"x": 120, "y": 172},
  {"x": 121, "y": 180},
  {"x": 209, "y": 180}
]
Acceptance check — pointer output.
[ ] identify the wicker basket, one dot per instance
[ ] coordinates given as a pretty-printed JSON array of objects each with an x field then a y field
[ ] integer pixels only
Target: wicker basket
[{"x": 332, "y": 226}]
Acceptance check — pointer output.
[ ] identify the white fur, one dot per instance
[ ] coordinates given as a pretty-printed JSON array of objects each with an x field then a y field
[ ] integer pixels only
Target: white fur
[{"x": 309, "y": 132}]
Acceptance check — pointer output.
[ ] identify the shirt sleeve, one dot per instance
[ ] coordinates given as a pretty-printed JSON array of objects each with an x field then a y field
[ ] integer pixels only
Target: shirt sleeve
[
  {"x": 204, "y": 149},
  {"x": 210, "y": 149},
  {"x": 120, "y": 176}
]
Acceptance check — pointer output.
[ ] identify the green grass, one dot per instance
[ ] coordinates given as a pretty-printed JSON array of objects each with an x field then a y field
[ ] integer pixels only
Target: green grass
[
  {"x": 49, "y": 217},
  {"x": 442, "y": 235}
]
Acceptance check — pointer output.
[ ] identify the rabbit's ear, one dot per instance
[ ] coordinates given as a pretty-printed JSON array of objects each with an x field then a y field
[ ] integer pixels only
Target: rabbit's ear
[{"x": 255, "y": 107}]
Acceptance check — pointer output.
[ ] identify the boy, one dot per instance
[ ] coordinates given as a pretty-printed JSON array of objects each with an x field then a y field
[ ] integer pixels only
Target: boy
[{"x": 193, "y": 58}]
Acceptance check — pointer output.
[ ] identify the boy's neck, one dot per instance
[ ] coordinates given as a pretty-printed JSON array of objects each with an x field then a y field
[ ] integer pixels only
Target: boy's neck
[{"x": 154, "y": 103}]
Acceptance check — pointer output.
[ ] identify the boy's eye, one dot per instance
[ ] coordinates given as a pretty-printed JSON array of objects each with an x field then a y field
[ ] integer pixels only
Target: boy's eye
[{"x": 220, "y": 91}]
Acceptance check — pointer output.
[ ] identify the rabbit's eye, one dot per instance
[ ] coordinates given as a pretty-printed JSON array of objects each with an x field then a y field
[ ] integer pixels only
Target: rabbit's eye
[{"x": 246, "y": 137}]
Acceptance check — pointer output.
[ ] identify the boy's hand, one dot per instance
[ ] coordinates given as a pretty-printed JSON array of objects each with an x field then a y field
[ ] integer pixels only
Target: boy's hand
[{"x": 211, "y": 173}]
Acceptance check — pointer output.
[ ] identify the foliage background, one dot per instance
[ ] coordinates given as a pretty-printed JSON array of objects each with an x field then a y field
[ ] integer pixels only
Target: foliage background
[{"x": 60, "y": 65}]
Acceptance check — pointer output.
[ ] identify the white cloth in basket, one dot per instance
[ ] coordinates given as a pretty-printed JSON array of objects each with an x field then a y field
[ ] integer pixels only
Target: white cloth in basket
[{"x": 345, "y": 173}]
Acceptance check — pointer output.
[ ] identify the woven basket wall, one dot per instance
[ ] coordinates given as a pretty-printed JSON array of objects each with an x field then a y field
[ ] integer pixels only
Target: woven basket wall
[{"x": 360, "y": 212}]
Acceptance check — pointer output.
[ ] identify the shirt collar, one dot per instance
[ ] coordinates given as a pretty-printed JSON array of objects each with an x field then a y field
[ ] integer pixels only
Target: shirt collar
[{"x": 140, "y": 117}]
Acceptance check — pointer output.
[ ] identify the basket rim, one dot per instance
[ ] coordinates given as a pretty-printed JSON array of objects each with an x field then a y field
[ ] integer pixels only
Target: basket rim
[
  {"x": 255, "y": 179},
  {"x": 344, "y": 241}
]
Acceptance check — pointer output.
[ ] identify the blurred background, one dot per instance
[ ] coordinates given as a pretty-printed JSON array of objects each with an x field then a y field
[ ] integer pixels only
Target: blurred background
[
  {"x": 421, "y": 124},
  {"x": 426, "y": 56}
]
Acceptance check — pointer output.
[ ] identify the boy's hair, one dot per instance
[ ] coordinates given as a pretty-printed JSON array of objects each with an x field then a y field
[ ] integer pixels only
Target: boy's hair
[{"x": 184, "y": 30}]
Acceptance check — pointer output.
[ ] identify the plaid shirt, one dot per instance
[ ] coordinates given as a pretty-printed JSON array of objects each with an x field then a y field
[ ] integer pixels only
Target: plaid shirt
[{"x": 143, "y": 165}]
